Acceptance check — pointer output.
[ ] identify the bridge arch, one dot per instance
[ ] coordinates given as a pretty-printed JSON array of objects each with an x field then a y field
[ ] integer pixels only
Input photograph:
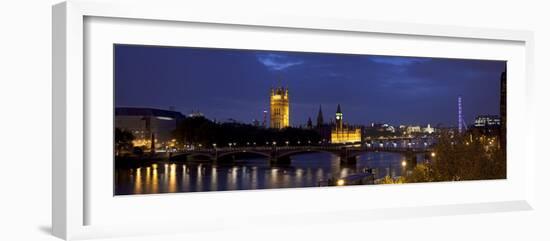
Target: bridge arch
[
  {"x": 179, "y": 156},
  {"x": 243, "y": 152},
  {"x": 200, "y": 154},
  {"x": 287, "y": 154}
]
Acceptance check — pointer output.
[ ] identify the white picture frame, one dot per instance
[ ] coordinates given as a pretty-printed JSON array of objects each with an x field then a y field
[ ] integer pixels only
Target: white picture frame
[{"x": 73, "y": 191}]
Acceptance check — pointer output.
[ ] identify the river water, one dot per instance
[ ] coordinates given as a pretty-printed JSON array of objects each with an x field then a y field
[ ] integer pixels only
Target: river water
[{"x": 305, "y": 170}]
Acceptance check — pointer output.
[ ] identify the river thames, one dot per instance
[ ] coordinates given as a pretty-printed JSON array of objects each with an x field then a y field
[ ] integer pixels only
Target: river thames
[{"x": 304, "y": 170}]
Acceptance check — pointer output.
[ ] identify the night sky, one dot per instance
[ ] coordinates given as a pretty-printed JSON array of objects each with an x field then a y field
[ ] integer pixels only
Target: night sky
[{"x": 226, "y": 83}]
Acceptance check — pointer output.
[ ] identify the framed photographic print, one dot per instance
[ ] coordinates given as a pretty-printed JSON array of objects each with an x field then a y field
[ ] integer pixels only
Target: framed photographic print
[
  {"x": 234, "y": 136},
  {"x": 190, "y": 120}
]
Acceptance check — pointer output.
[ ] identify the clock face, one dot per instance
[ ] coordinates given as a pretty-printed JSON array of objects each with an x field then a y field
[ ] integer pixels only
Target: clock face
[{"x": 338, "y": 117}]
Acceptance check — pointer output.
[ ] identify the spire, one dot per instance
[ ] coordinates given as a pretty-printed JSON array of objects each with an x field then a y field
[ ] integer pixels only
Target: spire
[
  {"x": 320, "y": 120},
  {"x": 338, "y": 110}
]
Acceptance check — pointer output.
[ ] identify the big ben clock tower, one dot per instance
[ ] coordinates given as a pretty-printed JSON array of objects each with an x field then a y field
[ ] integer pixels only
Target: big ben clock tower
[{"x": 339, "y": 117}]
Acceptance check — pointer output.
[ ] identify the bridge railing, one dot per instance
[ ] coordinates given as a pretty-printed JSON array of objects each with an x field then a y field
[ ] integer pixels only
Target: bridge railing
[{"x": 290, "y": 148}]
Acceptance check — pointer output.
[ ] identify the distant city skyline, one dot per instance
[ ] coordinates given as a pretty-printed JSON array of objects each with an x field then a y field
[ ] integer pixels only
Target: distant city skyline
[{"x": 235, "y": 84}]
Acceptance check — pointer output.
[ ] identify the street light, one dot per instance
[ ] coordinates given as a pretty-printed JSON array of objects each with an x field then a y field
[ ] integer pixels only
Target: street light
[
  {"x": 433, "y": 154},
  {"x": 404, "y": 163}
]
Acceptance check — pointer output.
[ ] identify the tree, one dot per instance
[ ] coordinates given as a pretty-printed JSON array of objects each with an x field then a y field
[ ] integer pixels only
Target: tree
[
  {"x": 389, "y": 180},
  {"x": 420, "y": 173},
  {"x": 123, "y": 141},
  {"x": 199, "y": 130},
  {"x": 470, "y": 156}
]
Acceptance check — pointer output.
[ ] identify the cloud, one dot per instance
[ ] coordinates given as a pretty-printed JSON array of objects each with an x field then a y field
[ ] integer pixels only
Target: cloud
[
  {"x": 277, "y": 62},
  {"x": 398, "y": 61}
]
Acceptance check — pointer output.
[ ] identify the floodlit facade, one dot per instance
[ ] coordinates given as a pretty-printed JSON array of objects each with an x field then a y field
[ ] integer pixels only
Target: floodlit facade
[
  {"x": 488, "y": 124},
  {"x": 487, "y": 121},
  {"x": 150, "y": 127},
  {"x": 414, "y": 129},
  {"x": 343, "y": 134},
  {"x": 279, "y": 108},
  {"x": 429, "y": 129}
]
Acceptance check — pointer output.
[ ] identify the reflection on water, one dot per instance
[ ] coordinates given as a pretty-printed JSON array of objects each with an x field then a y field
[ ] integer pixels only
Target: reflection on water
[{"x": 305, "y": 170}]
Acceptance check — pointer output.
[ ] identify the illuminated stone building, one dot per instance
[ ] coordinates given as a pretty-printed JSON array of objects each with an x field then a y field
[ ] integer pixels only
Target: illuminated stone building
[
  {"x": 279, "y": 108},
  {"x": 488, "y": 124},
  {"x": 150, "y": 127},
  {"x": 342, "y": 133}
]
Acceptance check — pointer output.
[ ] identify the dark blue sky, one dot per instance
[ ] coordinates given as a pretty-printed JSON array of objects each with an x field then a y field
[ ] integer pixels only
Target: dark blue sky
[{"x": 225, "y": 83}]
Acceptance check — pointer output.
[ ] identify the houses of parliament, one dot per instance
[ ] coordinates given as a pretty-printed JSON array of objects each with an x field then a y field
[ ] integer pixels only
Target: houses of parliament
[
  {"x": 279, "y": 108},
  {"x": 337, "y": 132}
]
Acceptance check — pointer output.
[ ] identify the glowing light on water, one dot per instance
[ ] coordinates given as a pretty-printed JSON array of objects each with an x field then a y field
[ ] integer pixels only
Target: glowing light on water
[
  {"x": 147, "y": 172},
  {"x": 299, "y": 173},
  {"x": 307, "y": 170},
  {"x": 137, "y": 184},
  {"x": 155, "y": 180},
  {"x": 214, "y": 179},
  {"x": 172, "y": 183}
]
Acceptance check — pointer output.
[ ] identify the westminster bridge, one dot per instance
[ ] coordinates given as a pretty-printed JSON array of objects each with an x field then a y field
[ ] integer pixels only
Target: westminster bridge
[{"x": 282, "y": 154}]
